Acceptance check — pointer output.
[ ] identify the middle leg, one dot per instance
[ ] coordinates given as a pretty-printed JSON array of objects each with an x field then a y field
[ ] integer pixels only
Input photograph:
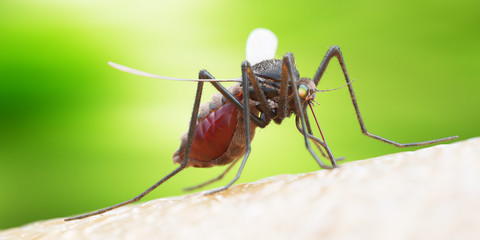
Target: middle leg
[{"x": 246, "y": 114}]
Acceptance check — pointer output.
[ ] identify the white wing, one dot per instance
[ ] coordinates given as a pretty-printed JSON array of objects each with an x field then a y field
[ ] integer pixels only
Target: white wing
[
  {"x": 261, "y": 45},
  {"x": 151, "y": 75}
]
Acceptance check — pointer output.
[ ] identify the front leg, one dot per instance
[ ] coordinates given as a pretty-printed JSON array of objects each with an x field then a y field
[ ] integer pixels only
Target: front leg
[
  {"x": 288, "y": 64},
  {"x": 334, "y": 51}
]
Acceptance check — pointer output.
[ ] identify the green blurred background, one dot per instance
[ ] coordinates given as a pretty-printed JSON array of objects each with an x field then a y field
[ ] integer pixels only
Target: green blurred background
[{"x": 77, "y": 135}]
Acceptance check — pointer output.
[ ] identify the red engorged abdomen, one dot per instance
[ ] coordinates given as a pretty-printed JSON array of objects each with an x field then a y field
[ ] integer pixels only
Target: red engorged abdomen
[{"x": 214, "y": 133}]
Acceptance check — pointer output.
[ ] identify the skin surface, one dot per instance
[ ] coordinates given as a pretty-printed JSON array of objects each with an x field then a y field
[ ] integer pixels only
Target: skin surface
[{"x": 430, "y": 193}]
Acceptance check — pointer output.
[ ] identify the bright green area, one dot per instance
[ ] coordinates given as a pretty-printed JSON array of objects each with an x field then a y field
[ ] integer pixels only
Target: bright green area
[{"x": 77, "y": 135}]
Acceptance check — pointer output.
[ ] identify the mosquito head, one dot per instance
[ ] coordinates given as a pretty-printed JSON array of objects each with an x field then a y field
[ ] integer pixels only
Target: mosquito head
[{"x": 306, "y": 89}]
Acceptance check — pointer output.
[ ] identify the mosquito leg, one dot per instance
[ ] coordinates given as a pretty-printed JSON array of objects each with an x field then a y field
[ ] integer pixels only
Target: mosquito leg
[
  {"x": 324, "y": 145},
  {"x": 265, "y": 107},
  {"x": 206, "y": 75},
  {"x": 283, "y": 100},
  {"x": 317, "y": 142},
  {"x": 188, "y": 146},
  {"x": 246, "y": 112},
  {"x": 325, "y": 141},
  {"x": 258, "y": 121},
  {"x": 309, "y": 130},
  {"x": 320, "y": 149},
  {"x": 288, "y": 64},
  {"x": 334, "y": 51},
  {"x": 228, "y": 95},
  {"x": 212, "y": 180}
]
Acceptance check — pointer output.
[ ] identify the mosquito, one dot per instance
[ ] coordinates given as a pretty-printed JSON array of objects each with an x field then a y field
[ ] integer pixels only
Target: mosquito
[{"x": 220, "y": 131}]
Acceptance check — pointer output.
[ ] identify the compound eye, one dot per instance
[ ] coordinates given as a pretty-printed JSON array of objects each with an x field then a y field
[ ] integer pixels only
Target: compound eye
[{"x": 302, "y": 91}]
